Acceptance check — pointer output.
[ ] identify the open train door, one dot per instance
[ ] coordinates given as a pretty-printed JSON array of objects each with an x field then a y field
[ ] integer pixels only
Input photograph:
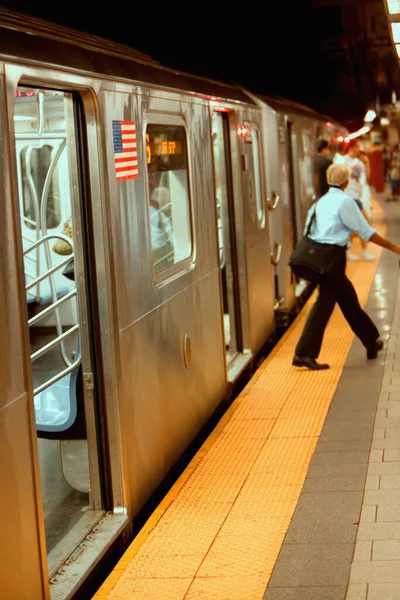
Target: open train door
[{"x": 64, "y": 370}]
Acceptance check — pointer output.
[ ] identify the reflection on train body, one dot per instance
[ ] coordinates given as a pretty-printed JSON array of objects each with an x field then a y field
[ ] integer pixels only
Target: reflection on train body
[{"x": 147, "y": 217}]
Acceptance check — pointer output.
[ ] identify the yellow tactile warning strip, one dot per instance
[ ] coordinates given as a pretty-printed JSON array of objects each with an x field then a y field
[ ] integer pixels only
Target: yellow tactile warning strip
[{"x": 218, "y": 532}]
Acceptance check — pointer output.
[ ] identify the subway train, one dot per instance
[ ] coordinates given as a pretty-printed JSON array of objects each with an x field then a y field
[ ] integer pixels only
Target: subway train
[{"x": 147, "y": 217}]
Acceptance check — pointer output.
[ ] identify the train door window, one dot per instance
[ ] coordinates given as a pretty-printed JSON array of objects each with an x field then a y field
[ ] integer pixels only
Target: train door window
[
  {"x": 169, "y": 200},
  {"x": 308, "y": 166},
  {"x": 255, "y": 169},
  {"x": 294, "y": 181},
  {"x": 60, "y": 335},
  {"x": 226, "y": 232}
]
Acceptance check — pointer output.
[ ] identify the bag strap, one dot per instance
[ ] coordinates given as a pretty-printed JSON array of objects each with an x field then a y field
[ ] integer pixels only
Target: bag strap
[{"x": 314, "y": 216}]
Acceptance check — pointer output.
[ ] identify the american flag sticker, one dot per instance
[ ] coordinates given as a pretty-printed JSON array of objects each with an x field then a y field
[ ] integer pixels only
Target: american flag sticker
[{"x": 125, "y": 150}]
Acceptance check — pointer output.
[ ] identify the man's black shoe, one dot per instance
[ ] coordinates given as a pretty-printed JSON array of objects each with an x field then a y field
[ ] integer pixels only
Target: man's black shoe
[
  {"x": 310, "y": 363},
  {"x": 372, "y": 351}
]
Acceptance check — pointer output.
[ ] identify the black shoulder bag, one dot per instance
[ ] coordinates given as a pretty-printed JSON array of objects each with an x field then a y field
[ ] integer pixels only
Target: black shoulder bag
[{"x": 311, "y": 259}]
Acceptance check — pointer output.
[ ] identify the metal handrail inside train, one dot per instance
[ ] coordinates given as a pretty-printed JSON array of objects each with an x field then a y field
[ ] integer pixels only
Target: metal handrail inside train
[
  {"x": 53, "y": 307},
  {"x": 39, "y": 222}
]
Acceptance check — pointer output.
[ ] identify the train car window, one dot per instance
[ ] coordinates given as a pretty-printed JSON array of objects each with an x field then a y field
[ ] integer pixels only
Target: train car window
[
  {"x": 169, "y": 206},
  {"x": 257, "y": 176}
]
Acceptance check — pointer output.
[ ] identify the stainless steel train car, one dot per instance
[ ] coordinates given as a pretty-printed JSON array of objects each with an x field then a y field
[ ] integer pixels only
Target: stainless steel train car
[{"x": 146, "y": 221}]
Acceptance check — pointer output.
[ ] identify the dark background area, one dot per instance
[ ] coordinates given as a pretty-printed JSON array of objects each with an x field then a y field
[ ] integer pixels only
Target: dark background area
[{"x": 333, "y": 55}]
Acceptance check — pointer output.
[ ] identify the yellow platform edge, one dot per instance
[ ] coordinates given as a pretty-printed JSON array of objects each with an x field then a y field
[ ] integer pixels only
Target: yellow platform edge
[{"x": 362, "y": 274}]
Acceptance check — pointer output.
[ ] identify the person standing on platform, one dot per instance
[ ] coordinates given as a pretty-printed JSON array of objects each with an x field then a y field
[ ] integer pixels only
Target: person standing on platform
[
  {"x": 322, "y": 163},
  {"x": 386, "y": 164},
  {"x": 394, "y": 172},
  {"x": 360, "y": 172},
  {"x": 336, "y": 218},
  {"x": 340, "y": 152},
  {"x": 366, "y": 193}
]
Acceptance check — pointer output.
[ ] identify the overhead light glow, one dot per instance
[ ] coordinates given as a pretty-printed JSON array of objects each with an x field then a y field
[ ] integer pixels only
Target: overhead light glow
[
  {"x": 396, "y": 32},
  {"x": 385, "y": 122},
  {"x": 341, "y": 139},
  {"x": 361, "y": 131},
  {"x": 370, "y": 116},
  {"x": 393, "y": 7}
]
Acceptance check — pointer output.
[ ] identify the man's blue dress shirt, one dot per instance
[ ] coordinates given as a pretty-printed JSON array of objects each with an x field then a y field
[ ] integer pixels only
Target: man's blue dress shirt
[{"x": 337, "y": 218}]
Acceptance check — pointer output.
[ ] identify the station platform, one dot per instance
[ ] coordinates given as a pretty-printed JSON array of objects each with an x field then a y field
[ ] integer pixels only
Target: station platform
[{"x": 296, "y": 493}]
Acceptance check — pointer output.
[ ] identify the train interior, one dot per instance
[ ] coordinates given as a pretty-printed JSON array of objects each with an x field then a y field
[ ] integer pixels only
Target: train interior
[{"x": 48, "y": 222}]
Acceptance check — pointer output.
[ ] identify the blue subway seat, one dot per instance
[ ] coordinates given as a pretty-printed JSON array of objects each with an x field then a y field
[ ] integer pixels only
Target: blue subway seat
[
  {"x": 59, "y": 409},
  {"x": 46, "y": 299}
]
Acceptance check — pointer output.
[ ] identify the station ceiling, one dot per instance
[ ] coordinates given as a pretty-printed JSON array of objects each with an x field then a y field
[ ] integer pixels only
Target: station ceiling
[
  {"x": 336, "y": 56},
  {"x": 362, "y": 69}
]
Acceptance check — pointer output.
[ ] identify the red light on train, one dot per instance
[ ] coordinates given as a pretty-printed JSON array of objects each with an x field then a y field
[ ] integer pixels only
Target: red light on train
[
  {"x": 220, "y": 109},
  {"x": 242, "y": 131},
  {"x": 328, "y": 124}
]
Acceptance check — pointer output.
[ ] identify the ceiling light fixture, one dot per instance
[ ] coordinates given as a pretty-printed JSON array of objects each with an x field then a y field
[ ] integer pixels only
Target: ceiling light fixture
[{"x": 369, "y": 116}]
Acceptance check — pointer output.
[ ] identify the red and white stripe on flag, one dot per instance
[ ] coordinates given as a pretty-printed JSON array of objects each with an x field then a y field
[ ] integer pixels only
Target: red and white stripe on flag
[{"x": 125, "y": 150}]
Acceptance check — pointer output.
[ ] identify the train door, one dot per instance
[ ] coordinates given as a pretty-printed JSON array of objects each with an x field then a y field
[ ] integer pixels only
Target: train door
[
  {"x": 53, "y": 229},
  {"x": 307, "y": 166},
  {"x": 298, "y": 218},
  {"x": 226, "y": 234},
  {"x": 294, "y": 180},
  {"x": 281, "y": 220}
]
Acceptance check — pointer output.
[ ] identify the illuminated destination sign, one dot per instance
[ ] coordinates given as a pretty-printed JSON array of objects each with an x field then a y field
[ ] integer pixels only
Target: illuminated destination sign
[{"x": 163, "y": 148}]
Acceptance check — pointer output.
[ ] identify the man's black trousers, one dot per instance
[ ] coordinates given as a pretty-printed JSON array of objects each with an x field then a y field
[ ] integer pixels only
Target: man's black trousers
[{"x": 333, "y": 288}]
